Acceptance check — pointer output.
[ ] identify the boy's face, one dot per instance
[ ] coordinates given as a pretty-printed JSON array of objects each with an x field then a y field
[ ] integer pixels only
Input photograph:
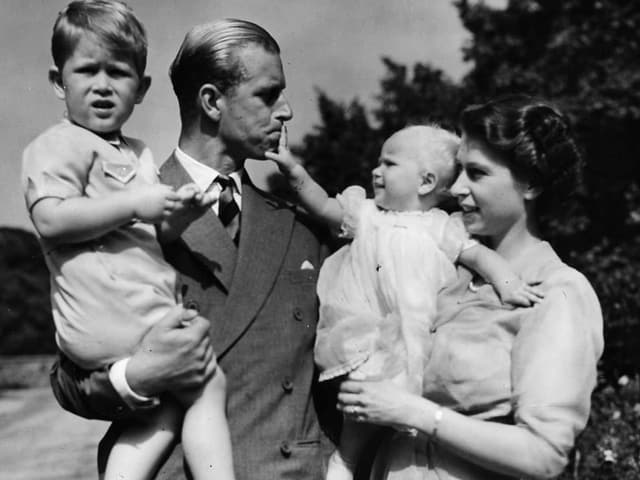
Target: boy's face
[
  {"x": 398, "y": 176},
  {"x": 99, "y": 87}
]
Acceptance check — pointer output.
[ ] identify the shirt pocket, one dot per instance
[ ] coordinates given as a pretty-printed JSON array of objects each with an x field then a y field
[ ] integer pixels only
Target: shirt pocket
[{"x": 121, "y": 171}]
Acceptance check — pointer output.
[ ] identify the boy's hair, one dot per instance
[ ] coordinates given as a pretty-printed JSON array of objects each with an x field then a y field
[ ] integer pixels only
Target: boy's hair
[
  {"x": 207, "y": 55},
  {"x": 111, "y": 22},
  {"x": 438, "y": 147}
]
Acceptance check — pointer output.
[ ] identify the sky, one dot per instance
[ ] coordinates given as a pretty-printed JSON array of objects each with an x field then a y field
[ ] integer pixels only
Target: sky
[{"x": 332, "y": 45}]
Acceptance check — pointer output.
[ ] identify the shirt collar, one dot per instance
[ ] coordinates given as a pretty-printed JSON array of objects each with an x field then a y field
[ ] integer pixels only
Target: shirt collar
[{"x": 203, "y": 175}]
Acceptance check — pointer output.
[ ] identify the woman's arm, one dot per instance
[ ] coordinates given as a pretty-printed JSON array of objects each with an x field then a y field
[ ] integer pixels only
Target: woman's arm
[{"x": 507, "y": 449}]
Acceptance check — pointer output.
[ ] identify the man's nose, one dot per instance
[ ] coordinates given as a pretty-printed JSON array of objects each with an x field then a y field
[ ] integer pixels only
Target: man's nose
[{"x": 283, "y": 111}]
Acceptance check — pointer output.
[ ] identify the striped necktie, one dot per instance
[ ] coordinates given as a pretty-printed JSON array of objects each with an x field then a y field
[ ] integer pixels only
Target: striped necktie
[{"x": 228, "y": 210}]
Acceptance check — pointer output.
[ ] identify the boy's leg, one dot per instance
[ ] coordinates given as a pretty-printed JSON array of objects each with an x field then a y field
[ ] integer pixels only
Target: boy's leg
[
  {"x": 144, "y": 444},
  {"x": 353, "y": 439},
  {"x": 205, "y": 433}
]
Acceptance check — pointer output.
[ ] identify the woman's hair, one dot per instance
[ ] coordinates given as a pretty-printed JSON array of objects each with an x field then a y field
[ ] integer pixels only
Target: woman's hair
[
  {"x": 534, "y": 140},
  {"x": 111, "y": 22},
  {"x": 208, "y": 55}
]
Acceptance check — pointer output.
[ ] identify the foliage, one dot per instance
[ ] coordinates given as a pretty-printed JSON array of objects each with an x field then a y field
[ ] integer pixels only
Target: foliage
[
  {"x": 609, "y": 449},
  {"x": 26, "y": 326}
]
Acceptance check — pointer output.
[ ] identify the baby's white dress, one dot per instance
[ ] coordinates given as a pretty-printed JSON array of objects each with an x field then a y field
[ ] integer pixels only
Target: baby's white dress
[{"x": 378, "y": 293}]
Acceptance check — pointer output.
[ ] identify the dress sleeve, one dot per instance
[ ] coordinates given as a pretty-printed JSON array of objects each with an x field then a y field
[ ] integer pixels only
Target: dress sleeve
[
  {"x": 351, "y": 200},
  {"x": 554, "y": 361},
  {"x": 55, "y": 166},
  {"x": 455, "y": 238}
]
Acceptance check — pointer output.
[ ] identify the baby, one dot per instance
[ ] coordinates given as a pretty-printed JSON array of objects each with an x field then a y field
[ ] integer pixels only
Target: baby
[
  {"x": 94, "y": 198},
  {"x": 378, "y": 293}
]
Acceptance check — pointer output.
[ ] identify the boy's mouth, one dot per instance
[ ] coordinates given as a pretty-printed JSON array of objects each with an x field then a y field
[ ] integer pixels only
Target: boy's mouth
[{"x": 102, "y": 104}]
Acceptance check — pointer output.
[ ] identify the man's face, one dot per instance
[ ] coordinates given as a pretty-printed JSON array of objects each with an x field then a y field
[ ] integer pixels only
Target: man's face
[{"x": 252, "y": 112}]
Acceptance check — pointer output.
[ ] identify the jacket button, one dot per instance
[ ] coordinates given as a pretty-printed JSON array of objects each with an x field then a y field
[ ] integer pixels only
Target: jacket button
[
  {"x": 192, "y": 305},
  {"x": 285, "y": 449},
  {"x": 287, "y": 385},
  {"x": 433, "y": 329},
  {"x": 297, "y": 314}
]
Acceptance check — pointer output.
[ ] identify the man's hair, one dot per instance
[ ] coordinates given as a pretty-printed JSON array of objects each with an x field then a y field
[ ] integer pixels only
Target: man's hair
[
  {"x": 111, "y": 22},
  {"x": 208, "y": 55}
]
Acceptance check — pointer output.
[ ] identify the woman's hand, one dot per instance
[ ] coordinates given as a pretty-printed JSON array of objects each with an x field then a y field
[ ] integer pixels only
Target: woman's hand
[{"x": 378, "y": 402}]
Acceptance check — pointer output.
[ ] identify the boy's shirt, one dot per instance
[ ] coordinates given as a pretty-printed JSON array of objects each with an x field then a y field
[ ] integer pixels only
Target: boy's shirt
[{"x": 105, "y": 292}]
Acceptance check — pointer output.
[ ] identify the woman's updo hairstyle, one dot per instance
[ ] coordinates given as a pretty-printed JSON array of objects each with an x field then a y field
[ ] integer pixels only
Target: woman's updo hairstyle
[{"x": 534, "y": 140}]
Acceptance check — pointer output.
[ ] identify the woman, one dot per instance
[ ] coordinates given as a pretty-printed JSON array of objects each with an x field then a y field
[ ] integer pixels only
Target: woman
[{"x": 506, "y": 389}]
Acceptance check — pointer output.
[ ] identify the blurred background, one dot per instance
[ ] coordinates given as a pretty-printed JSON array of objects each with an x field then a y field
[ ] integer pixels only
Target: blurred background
[{"x": 358, "y": 70}]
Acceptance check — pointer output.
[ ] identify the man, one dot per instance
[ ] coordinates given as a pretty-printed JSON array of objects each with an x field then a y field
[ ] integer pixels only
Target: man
[{"x": 249, "y": 266}]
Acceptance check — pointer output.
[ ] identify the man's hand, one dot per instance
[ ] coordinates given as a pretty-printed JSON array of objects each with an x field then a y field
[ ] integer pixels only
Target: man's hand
[{"x": 175, "y": 354}]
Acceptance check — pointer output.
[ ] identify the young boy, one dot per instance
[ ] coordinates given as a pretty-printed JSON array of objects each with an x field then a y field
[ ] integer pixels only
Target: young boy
[{"x": 94, "y": 198}]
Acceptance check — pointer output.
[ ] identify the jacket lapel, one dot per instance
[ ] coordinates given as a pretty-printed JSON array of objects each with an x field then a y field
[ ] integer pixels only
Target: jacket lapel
[
  {"x": 206, "y": 238},
  {"x": 265, "y": 231}
]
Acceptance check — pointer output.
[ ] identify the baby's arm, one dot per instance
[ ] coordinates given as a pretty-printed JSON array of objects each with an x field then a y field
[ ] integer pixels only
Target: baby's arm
[
  {"x": 78, "y": 219},
  {"x": 192, "y": 204},
  {"x": 312, "y": 196},
  {"x": 495, "y": 270}
]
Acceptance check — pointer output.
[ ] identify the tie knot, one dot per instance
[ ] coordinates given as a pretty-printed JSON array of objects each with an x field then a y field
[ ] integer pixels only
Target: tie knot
[{"x": 224, "y": 181}]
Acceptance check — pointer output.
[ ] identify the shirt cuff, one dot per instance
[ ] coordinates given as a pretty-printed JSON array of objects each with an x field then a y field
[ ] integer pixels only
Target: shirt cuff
[{"x": 117, "y": 376}]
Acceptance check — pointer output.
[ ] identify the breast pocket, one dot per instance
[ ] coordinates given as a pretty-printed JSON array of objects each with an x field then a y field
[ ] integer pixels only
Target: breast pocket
[{"x": 121, "y": 171}]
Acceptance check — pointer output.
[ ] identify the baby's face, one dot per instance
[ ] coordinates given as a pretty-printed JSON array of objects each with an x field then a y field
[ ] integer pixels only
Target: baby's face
[
  {"x": 398, "y": 176},
  {"x": 99, "y": 87}
]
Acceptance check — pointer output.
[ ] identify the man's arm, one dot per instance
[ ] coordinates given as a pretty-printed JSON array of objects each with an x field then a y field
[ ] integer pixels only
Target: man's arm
[{"x": 175, "y": 354}]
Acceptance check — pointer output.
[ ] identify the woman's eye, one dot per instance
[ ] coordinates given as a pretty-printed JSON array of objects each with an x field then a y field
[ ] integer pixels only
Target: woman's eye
[{"x": 475, "y": 173}]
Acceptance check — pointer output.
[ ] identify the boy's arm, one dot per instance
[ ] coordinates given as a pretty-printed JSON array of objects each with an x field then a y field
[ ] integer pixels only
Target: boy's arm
[
  {"x": 78, "y": 219},
  {"x": 192, "y": 205},
  {"x": 495, "y": 270},
  {"x": 311, "y": 195}
]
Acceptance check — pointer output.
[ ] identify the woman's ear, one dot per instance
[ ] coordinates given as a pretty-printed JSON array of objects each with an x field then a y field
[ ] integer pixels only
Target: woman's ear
[
  {"x": 531, "y": 192},
  {"x": 429, "y": 183},
  {"x": 209, "y": 97},
  {"x": 55, "y": 79}
]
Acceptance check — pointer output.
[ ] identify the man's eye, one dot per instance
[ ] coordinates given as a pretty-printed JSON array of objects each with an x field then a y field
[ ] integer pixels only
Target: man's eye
[{"x": 270, "y": 96}]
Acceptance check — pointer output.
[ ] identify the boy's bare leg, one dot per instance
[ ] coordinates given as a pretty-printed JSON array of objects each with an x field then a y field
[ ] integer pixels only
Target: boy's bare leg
[
  {"x": 145, "y": 444},
  {"x": 205, "y": 433}
]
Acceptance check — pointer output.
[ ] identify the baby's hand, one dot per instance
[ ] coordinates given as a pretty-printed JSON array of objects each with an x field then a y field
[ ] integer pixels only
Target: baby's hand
[
  {"x": 519, "y": 293},
  {"x": 283, "y": 157},
  {"x": 152, "y": 203}
]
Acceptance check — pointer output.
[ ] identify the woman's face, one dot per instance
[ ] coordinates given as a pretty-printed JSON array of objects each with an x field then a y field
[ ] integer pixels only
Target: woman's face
[{"x": 491, "y": 199}]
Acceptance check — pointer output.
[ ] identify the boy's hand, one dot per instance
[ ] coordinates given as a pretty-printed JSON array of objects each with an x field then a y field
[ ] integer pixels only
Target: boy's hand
[
  {"x": 284, "y": 158},
  {"x": 155, "y": 202},
  {"x": 518, "y": 293}
]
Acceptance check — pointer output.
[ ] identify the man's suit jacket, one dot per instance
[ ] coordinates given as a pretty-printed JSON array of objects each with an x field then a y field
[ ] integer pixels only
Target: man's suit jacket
[{"x": 260, "y": 298}]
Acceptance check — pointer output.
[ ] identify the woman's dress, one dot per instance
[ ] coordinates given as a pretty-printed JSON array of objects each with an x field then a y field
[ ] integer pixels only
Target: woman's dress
[{"x": 532, "y": 367}]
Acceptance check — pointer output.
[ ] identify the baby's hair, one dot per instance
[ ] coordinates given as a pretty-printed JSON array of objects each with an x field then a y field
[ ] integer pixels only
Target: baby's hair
[
  {"x": 439, "y": 147},
  {"x": 112, "y": 22}
]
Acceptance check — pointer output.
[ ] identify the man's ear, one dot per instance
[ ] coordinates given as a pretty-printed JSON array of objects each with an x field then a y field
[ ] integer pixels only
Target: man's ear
[
  {"x": 143, "y": 88},
  {"x": 429, "y": 183},
  {"x": 209, "y": 98},
  {"x": 55, "y": 79}
]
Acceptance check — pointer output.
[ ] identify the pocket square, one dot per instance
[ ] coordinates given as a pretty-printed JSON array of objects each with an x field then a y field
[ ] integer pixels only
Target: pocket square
[{"x": 307, "y": 265}]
